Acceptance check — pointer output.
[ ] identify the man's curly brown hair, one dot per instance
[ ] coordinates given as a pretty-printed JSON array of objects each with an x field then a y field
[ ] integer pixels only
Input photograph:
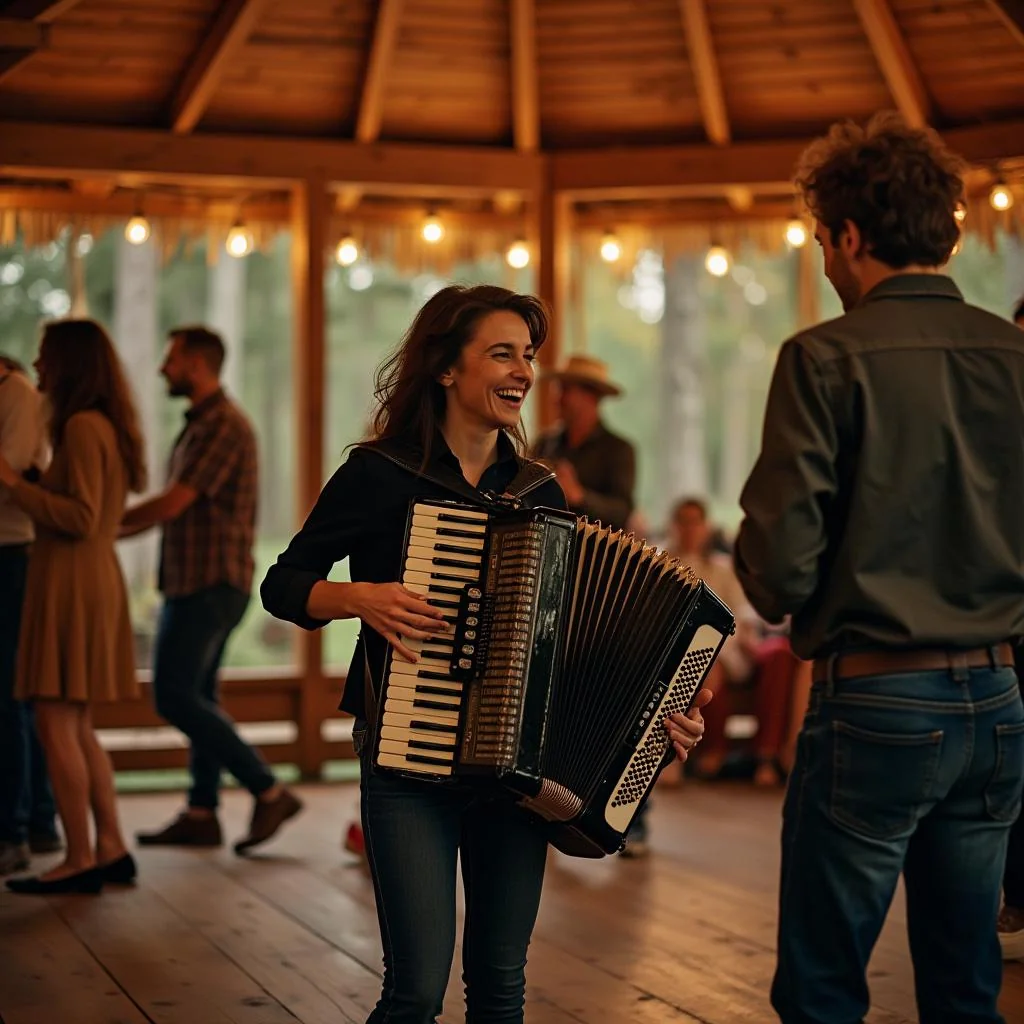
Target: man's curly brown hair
[{"x": 899, "y": 185}]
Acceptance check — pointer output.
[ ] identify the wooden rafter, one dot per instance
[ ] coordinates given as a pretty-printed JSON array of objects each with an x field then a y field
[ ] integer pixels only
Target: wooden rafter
[
  {"x": 894, "y": 59},
  {"x": 705, "y": 71},
  {"x": 42, "y": 11},
  {"x": 234, "y": 22},
  {"x": 1011, "y": 14},
  {"x": 20, "y": 38},
  {"x": 525, "y": 102},
  {"x": 47, "y": 150},
  {"x": 371, "y": 103}
]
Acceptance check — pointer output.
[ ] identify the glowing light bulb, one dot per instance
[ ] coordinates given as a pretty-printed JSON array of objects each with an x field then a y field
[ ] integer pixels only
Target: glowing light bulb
[
  {"x": 796, "y": 234},
  {"x": 611, "y": 248},
  {"x": 347, "y": 252},
  {"x": 1000, "y": 197},
  {"x": 137, "y": 230},
  {"x": 518, "y": 255},
  {"x": 432, "y": 230},
  {"x": 717, "y": 261},
  {"x": 239, "y": 241},
  {"x": 960, "y": 213}
]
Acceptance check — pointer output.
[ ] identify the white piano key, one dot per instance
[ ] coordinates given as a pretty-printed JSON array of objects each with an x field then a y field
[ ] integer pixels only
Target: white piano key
[
  {"x": 402, "y": 721},
  {"x": 395, "y": 734},
  {"x": 411, "y": 694},
  {"x": 435, "y": 715},
  {"x": 442, "y": 572},
  {"x": 389, "y": 760}
]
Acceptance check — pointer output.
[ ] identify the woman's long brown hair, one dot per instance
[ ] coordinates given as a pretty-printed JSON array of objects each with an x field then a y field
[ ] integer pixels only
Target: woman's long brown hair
[
  {"x": 411, "y": 400},
  {"x": 83, "y": 372}
]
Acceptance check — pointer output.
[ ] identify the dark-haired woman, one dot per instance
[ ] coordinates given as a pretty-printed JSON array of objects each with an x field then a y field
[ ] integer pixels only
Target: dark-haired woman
[
  {"x": 75, "y": 647},
  {"x": 450, "y": 403}
]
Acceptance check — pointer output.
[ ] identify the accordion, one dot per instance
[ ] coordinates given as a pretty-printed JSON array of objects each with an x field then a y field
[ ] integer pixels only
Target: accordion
[{"x": 571, "y": 644}]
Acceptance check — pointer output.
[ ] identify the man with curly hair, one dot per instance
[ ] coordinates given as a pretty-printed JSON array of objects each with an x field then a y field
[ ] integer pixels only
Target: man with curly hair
[{"x": 884, "y": 516}]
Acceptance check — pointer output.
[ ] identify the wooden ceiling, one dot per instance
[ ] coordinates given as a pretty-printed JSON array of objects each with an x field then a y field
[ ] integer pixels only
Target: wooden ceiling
[{"x": 548, "y": 74}]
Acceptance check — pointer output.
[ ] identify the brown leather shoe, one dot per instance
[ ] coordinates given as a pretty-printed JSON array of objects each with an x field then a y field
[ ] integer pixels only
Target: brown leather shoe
[
  {"x": 185, "y": 830},
  {"x": 267, "y": 817}
]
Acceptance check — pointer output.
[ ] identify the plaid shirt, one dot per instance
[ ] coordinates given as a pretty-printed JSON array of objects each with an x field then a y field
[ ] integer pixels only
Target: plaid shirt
[{"x": 211, "y": 541}]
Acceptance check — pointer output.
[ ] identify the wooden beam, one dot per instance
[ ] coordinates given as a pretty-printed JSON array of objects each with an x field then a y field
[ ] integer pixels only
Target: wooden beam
[
  {"x": 551, "y": 238},
  {"x": 233, "y": 24},
  {"x": 1011, "y": 14},
  {"x": 43, "y": 11},
  {"x": 525, "y": 102},
  {"x": 894, "y": 59},
  {"x": 382, "y": 49},
  {"x": 21, "y": 34},
  {"x": 652, "y": 172},
  {"x": 311, "y": 212},
  {"x": 47, "y": 150},
  {"x": 705, "y": 71}
]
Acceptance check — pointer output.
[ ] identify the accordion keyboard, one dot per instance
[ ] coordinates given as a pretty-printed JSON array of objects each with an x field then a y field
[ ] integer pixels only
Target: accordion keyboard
[{"x": 420, "y": 718}]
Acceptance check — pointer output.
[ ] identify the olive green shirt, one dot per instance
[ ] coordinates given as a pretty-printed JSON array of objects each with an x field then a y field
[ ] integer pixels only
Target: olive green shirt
[
  {"x": 886, "y": 508},
  {"x": 606, "y": 466}
]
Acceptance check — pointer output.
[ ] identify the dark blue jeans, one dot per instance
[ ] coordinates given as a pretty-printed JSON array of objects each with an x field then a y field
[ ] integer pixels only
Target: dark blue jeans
[
  {"x": 26, "y": 801},
  {"x": 190, "y": 643},
  {"x": 918, "y": 773},
  {"x": 415, "y": 832}
]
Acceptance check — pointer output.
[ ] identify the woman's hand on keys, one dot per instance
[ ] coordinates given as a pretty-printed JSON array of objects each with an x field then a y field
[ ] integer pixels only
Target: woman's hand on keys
[
  {"x": 686, "y": 731},
  {"x": 397, "y": 613}
]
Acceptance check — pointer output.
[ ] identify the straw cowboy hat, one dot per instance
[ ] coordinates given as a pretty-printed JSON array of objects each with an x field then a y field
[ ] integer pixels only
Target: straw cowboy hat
[{"x": 588, "y": 371}]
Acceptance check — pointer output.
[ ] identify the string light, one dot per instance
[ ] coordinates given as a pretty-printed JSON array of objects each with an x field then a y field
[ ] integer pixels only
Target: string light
[
  {"x": 960, "y": 213},
  {"x": 347, "y": 252},
  {"x": 432, "y": 230},
  {"x": 239, "y": 241},
  {"x": 717, "y": 261},
  {"x": 796, "y": 234},
  {"x": 137, "y": 230},
  {"x": 1000, "y": 197},
  {"x": 518, "y": 255},
  {"x": 611, "y": 248}
]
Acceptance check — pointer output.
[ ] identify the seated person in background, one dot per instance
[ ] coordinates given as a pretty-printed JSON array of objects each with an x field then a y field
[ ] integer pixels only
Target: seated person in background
[{"x": 753, "y": 653}]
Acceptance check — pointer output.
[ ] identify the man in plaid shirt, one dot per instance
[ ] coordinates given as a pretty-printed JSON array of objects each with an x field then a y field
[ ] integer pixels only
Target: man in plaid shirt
[{"x": 208, "y": 513}]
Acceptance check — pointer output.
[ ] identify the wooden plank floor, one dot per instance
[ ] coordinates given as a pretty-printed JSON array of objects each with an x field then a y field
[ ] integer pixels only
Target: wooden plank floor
[{"x": 290, "y": 935}]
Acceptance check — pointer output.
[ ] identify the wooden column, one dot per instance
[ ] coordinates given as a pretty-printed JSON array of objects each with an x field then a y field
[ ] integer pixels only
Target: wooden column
[
  {"x": 310, "y": 216},
  {"x": 552, "y": 231},
  {"x": 807, "y": 284}
]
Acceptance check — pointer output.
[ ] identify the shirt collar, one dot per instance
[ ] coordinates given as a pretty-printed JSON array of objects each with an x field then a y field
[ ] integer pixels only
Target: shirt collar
[
  {"x": 200, "y": 409},
  {"x": 937, "y": 286},
  {"x": 443, "y": 454}
]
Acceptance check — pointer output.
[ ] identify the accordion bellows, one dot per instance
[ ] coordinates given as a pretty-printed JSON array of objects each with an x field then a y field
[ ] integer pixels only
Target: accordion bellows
[{"x": 571, "y": 644}]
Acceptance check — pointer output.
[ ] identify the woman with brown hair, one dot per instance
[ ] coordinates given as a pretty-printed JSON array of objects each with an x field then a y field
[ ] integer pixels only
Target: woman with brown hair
[
  {"x": 448, "y": 427},
  {"x": 76, "y": 642}
]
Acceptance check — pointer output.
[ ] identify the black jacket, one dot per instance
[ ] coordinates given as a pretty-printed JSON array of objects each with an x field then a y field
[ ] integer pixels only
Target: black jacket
[{"x": 361, "y": 515}]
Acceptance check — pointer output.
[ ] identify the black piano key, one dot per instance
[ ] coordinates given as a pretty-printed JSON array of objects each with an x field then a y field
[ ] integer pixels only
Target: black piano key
[
  {"x": 432, "y": 726},
  {"x": 454, "y": 517},
  {"x": 436, "y": 602},
  {"x": 458, "y": 549},
  {"x": 437, "y": 691},
  {"x": 447, "y": 531},
  {"x": 456, "y": 563},
  {"x": 436, "y": 705},
  {"x": 426, "y": 759},
  {"x": 426, "y": 745},
  {"x": 434, "y": 588},
  {"x": 427, "y": 674}
]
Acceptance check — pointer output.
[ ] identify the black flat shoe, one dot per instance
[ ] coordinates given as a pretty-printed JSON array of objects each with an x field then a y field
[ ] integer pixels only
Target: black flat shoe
[
  {"x": 121, "y": 871},
  {"x": 90, "y": 882}
]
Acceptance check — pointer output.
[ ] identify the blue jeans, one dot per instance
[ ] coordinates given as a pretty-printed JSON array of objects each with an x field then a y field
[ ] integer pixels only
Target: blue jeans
[
  {"x": 190, "y": 643},
  {"x": 415, "y": 832},
  {"x": 918, "y": 773},
  {"x": 26, "y": 800}
]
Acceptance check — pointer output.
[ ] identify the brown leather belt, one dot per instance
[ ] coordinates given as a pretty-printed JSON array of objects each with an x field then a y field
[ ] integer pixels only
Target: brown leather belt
[{"x": 883, "y": 663}]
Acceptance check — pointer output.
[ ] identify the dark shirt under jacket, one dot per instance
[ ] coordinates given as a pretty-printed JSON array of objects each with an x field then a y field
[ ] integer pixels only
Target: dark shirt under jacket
[
  {"x": 606, "y": 466},
  {"x": 885, "y": 508},
  {"x": 361, "y": 515}
]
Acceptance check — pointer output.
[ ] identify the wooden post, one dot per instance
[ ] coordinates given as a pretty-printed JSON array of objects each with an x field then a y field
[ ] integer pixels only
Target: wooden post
[
  {"x": 807, "y": 284},
  {"x": 310, "y": 216},
  {"x": 552, "y": 229}
]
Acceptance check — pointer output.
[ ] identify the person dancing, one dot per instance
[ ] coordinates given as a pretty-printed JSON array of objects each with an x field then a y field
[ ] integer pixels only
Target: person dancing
[
  {"x": 450, "y": 404},
  {"x": 75, "y": 647}
]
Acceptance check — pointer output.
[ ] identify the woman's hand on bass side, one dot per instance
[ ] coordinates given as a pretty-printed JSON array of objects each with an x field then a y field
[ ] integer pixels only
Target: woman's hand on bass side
[
  {"x": 396, "y": 613},
  {"x": 686, "y": 731}
]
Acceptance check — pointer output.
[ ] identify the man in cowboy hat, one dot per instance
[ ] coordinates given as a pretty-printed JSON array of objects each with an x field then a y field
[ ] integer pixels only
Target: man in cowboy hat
[{"x": 596, "y": 468}]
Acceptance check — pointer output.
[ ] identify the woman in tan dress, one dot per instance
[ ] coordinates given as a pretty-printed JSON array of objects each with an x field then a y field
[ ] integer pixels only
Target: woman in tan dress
[{"x": 75, "y": 647}]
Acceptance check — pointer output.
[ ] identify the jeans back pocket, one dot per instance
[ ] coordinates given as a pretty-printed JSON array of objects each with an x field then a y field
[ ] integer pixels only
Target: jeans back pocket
[
  {"x": 882, "y": 782},
  {"x": 1003, "y": 790}
]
